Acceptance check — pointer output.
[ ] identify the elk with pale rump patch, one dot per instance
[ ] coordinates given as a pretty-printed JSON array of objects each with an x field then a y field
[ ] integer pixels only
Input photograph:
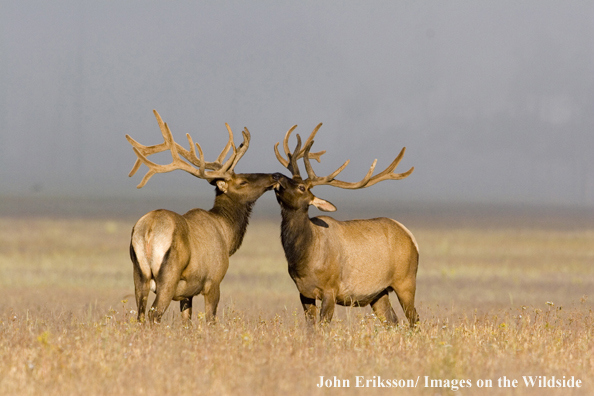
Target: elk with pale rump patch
[
  {"x": 351, "y": 263},
  {"x": 181, "y": 256}
]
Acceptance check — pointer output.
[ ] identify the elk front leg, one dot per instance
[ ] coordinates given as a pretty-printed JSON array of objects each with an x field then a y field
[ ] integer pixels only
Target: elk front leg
[
  {"x": 309, "y": 306},
  {"x": 185, "y": 307},
  {"x": 383, "y": 309},
  {"x": 211, "y": 301},
  {"x": 327, "y": 310}
]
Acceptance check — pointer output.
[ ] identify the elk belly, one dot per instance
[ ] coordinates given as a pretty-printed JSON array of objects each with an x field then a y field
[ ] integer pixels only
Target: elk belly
[
  {"x": 188, "y": 288},
  {"x": 361, "y": 290},
  {"x": 356, "y": 300}
]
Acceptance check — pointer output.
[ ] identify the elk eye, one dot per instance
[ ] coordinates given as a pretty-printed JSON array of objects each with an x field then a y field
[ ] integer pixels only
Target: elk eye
[
  {"x": 302, "y": 189},
  {"x": 243, "y": 183}
]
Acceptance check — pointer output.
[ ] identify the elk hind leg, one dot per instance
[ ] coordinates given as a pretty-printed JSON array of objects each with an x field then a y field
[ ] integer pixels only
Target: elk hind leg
[
  {"x": 167, "y": 280},
  {"x": 406, "y": 296},
  {"x": 383, "y": 309},
  {"x": 141, "y": 286}
]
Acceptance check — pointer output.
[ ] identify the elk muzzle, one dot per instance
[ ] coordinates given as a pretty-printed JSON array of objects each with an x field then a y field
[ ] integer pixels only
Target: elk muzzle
[{"x": 281, "y": 181}]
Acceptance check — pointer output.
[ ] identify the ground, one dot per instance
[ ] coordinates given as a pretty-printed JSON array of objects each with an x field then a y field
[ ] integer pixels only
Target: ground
[{"x": 497, "y": 296}]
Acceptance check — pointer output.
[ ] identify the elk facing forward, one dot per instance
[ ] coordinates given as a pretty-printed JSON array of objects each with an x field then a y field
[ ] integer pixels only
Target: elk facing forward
[
  {"x": 352, "y": 263},
  {"x": 181, "y": 256}
]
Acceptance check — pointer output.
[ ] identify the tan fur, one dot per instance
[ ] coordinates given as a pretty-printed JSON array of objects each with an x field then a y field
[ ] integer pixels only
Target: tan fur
[{"x": 412, "y": 237}]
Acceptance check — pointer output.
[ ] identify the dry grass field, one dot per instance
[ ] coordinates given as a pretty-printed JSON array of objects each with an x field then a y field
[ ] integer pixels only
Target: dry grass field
[{"x": 513, "y": 300}]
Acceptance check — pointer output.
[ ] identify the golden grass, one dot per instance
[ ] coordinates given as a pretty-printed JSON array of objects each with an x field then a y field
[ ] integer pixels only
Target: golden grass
[{"x": 67, "y": 323}]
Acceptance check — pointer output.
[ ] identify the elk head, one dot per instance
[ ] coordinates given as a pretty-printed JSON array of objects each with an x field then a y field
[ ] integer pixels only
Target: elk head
[{"x": 295, "y": 193}]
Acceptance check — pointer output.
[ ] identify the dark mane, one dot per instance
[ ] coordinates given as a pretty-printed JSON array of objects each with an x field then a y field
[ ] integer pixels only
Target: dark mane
[
  {"x": 296, "y": 237},
  {"x": 236, "y": 215}
]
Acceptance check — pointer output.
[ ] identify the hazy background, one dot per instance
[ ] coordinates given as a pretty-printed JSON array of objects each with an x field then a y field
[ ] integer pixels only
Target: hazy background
[{"x": 493, "y": 100}]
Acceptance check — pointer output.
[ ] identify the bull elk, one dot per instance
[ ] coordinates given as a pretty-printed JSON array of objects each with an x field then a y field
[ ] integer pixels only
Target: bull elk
[
  {"x": 181, "y": 256},
  {"x": 350, "y": 263}
]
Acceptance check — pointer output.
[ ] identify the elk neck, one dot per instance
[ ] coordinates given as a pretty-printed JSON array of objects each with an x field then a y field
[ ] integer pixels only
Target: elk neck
[
  {"x": 297, "y": 237},
  {"x": 234, "y": 216}
]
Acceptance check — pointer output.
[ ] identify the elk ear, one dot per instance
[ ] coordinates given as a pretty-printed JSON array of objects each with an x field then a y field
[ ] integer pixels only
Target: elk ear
[
  {"x": 323, "y": 205},
  {"x": 222, "y": 185}
]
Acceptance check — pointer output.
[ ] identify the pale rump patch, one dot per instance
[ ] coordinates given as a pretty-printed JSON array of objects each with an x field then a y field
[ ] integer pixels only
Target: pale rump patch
[
  {"x": 158, "y": 245},
  {"x": 153, "y": 286},
  {"x": 409, "y": 233},
  {"x": 150, "y": 248}
]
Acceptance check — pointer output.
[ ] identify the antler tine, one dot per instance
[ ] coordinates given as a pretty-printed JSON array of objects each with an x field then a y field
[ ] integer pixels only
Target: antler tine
[
  {"x": 135, "y": 167},
  {"x": 310, "y": 139},
  {"x": 388, "y": 173},
  {"x": 242, "y": 148},
  {"x": 293, "y": 166},
  {"x": 146, "y": 150},
  {"x": 279, "y": 157},
  {"x": 229, "y": 161},
  {"x": 317, "y": 155},
  {"x": 168, "y": 142},
  {"x": 311, "y": 175},
  {"x": 201, "y": 167},
  {"x": 286, "y": 140},
  {"x": 230, "y": 144}
]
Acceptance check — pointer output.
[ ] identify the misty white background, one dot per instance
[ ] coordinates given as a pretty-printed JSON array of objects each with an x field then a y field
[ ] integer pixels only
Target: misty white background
[{"x": 493, "y": 100}]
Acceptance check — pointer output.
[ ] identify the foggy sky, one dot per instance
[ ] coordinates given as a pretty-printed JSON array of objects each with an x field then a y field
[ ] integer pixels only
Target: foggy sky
[{"x": 493, "y": 100}]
